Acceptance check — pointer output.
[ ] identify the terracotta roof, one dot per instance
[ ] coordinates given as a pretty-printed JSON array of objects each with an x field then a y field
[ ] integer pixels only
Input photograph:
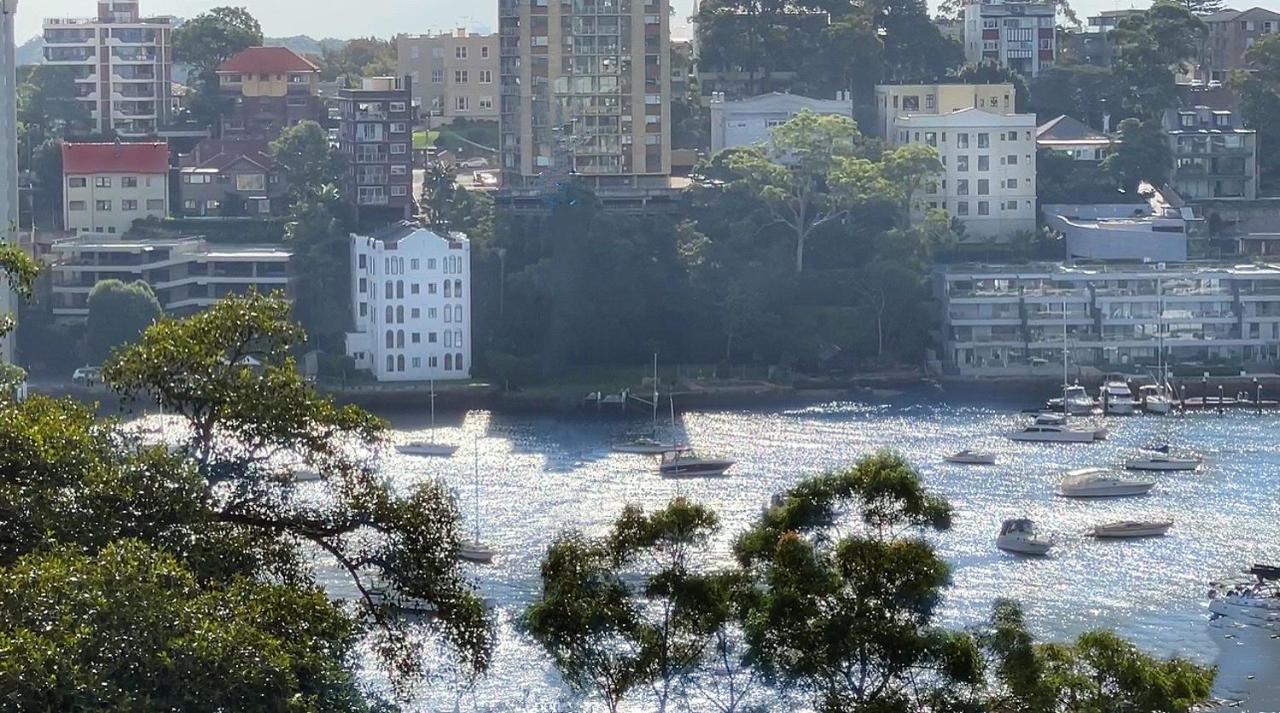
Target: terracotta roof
[
  {"x": 115, "y": 158},
  {"x": 268, "y": 60},
  {"x": 219, "y": 155}
]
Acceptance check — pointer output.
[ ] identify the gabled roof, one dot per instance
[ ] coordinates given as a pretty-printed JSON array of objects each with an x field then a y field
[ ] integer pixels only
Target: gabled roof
[
  {"x": 1066, "y": 128},
  {"x": 268, "y": 60},
  {"x": 86, "y": 158},
  {"x": 392, "y": 235},
  {"x": 779, "y": 101},
  {"x": 967, "y": 117},
  {"x": 1232, "y": 15},
  {"x": 219, "y": 155}
]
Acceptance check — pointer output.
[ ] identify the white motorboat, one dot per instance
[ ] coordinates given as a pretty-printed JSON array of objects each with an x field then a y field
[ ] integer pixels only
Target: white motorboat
[
  {"x": 1077, "y": 402},
  {"x": 1040, "y": 433},
  {"x": 1163, "y": 463},
  {"x": 1154, "y": 400},
  {"x": 1100, "y": 483},
  {"x": 1117, "y": 399},
  {"x": 644, "y": 446},
  {"x": 1019, "y": 536},
  {"x": 968, "y": 457},
  {"x": 685, "y": 463},
  {"x": 1132, "y": 528},
  {"x": 426, "y": 448},
  {"x": 476, "y": 552}
]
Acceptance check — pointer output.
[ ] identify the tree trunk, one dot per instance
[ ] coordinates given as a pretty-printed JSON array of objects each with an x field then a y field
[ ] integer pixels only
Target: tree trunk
[{"x": 800, "y": 236}]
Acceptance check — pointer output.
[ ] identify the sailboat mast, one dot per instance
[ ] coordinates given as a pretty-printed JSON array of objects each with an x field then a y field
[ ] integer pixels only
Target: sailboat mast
[
  {"x": 476, "y": 479},
  {"x": 1065, "y": 410},
  {"x": 655, "y": 394}
]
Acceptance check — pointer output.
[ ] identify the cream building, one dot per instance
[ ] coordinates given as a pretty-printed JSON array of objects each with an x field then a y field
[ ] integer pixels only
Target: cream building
[
  {"x": 455, "y": 74},
  {"x": 109, "y": 186},
  {"x": 895, "y": 99},
  {"x": 989, "y": 169}
]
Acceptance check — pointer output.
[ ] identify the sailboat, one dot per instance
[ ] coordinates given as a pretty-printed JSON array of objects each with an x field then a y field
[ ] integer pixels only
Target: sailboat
[
  {"x": 1054, "y": 429},
  {"x": 649, "y": 445},
  {"x": 428, "y": 448},
  {"x": 474, "y": 550},
  {"x": 1158, "y": 398}
]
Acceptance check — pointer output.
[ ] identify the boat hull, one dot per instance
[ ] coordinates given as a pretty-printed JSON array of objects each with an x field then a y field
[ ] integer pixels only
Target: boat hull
[
  {"x": 1118, "y": 532},
  {"x": 1163, "y": 466},
  {"x": 710, "y": 469},
  {"x": 972, "y": 460},
  {"x": 427, "y": 451},
  {"x": 1031, "y": 548},
  {"x": 1113, "y": 491},
  {"x": 1054, "y": 437},
  {"x": 478, "y": 554}
]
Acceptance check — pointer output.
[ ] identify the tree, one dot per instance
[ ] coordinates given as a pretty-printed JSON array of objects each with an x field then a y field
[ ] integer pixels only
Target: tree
[
  {"x": 850, "y": 621},
  {"x": 1149, "y": 48},
  {"x": 228, "y": 372},
  {"x": 1259, "y": 93},
  {"x": 1141, "y": 154},
  {"x": 1202, "y": 7},
  {"x": 306, "y": 161},
  {"x": 211, "y": 38},
  {"x": 361, "y": 57},
  {"x": 609, "y": 636},
  {"x": 17, "y": 270},
  {"x": 49, "y": 98},
  {"x": 118, "y": 315},
  {"x": 322, "y": 258}
]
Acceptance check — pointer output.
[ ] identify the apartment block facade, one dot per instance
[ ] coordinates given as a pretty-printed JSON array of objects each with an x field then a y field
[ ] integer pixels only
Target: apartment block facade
[
  {"x": 123, "y": 65},
  {"x": 1018, "y": 35},
  {"x": 231, "y": 178},
  {"x": 584, "y": 90},
  {"x": 1214, "y": 156},
  {"x": 1092, "y": 44},
  {"x": 455, "y": 74},
  {"x": 1231, "y": 34},
  {"x": 988, "y": 179},
  {"x": 893, "y": 100},
  {"x": 999, "y": 317},
  {"x": 187, "y": 274},
  {"x": 411, "y": 301},
  {"x": 106, "y": 187},
  {"x": 749, "y": 121},
  {"x": 375, "y": 134},
  {"x": 268, "y": 89}
]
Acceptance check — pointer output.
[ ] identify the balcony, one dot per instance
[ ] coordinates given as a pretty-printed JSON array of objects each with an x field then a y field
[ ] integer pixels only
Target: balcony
[
  {"x": 68, "y": 55},
  {"x": 133, "y": 54}
]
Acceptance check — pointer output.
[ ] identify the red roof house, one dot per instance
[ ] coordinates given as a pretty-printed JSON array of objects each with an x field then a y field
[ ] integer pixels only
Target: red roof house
[
  {"x": 86, "y": 158},
  {"x": 268, "y": 60}
]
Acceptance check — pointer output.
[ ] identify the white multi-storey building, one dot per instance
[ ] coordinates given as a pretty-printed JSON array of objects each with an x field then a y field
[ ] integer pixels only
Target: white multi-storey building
[
  {"x": 1001, "y": 318},
  {"x": 989, "y": 169},
  {"x": 747, "y": 122},
  {"x": 893, "y": 100},
  {"x": 1016, "y": 34},
  {"x": 109, "y": 186},
  {"x": 123, "y": 63},
  {"x": 411, "y": 299}
]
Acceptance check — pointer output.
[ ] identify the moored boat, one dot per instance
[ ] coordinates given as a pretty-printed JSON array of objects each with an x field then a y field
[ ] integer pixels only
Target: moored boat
[
  {"x": 425, "y": 448},
  {"x": 1019, "y": 536},
  {"x": 1163, "y": 463},
  {"x": 1117, "y": 399},
  {"x": 968, "y": 457},
  {"x": 1099, "y": 483},
  {"x": 685, "y": 463},
  {"x": 1132, "y": 528}
]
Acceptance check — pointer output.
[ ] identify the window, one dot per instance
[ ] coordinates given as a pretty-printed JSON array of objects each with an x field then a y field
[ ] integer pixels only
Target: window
[
  {"x": 77, "y": 205},
  {"x": 486, "y": 103},
  {"x": 391, "y": 340},
  {"x": 431, "y": 263},
  {"x": 1046, "y": 43},
  {"x": 929, "y": 101},
  {"x": 414, "y": 289},
  {"x": 437, "y": 76},
  {"x": 431, "y": 288},
  {"x": 486, "y": 76},
  {"x": 364, "y": 309},
  {"x": 362, "y": 261},
  {"x": 433, "y": 313},
  {"x": 251, "y": 182},
  {"x": 448, "y": 316},
  {"x": 984, "y": 162},
  {"x": 1187, "y": 119},
  {"x": 128, "y": 205},
  {"x": 462, "y": 103},
  {"x": 1011, "y": 183},
  {"x": 457, "y": 360},
  {"x": 128, "y": 181},
  {"x": 911, "y": 103},
  {"x": 432, "y": 337},
  {"x": 391, "y": 316},
  {"x": 399, "y": 127},
  {"x": 448, "y": 362},
  {"x": 984, "y": 187},
  {"x": 391, "y": 363},
  {"x": 1011, "y": 205},
  {"x": 448, "y": 289},
  {"x": 190, "y": 204},
  {"x": 400, "y": 339},
  {"x": 1012, "y": 160},
  {"x": 399, "y": 289},
  {"x": 397, "y": 106},
  {"x": 460, "y": 52},
  {"x": 459, "y": 76},
  {"x": 390, "y": 290},
  {"x": 962, "y": 163},
  {"x": 484, "y": 53},
  {"x": 415, "y": 313},
  {"x": 962, "y": 187},
  {"x": 448, "y": 339},
  {"x": 417, "y": 361},
  {"x": 364, "y": 285},
  {"x": 102, "y": 181},
  {"x": 398, "y": 148},
  {"x": 457, "y": 292},
  {"x": 984, "y": 208},
  {"x": 1013, "y": 136},
  {"x": 413, "y": 263},
  {"x": 984, "y": 140},
  {"x": 399, "y": 170},
  {"x": 155, "y": 204},
  {"x": 962, "y": 208},
  {"x": 400, "y": 362},
  {"x": 931, "y": 138},
  {"x": 415, "y": 338},
  {"x": 102, "y": 206},
  {"x": 962, "y": 141},
  {"x": 399, "y": 191},
  {"x": 77, "y": 182}
]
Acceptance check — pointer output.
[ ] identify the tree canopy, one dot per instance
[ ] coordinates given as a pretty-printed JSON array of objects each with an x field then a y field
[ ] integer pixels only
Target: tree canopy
[
  {"x": 1259, "y": 93},
  {"x": 211, "y": 38},
  {"x": 118, "y": 314}
]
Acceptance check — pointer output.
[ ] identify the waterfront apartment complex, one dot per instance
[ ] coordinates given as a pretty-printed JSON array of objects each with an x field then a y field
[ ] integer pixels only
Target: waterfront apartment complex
[
  {"x": 1006, "y": 319},
  {"x": 988, "y": 179},
  {"x": 106, "y": 187},
  {"x": 1231, "y": 34},
  {"x": 411, "y": 303},
  {"x": 1214, "y": 156},
  {"x": 375, "y": 135},
  {"x": 268, "y": 89},
  {"x": 187, "y": 274},
  {"x": 585, "y": 89},
  {"x": 1018, "y": 35},
  {"x": 455, "y": 74},
  {"x": 893, "y": 100},
  {"x": 123, "y": 65}
]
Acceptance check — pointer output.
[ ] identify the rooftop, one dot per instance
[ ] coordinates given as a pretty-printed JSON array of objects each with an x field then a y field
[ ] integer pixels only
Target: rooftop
[
  {"x": 268, "y": 60},
  {"x": 1068, "y": 129},
  {"x": 81, "y": 158},
  {"x": 1057, "y": 269}
]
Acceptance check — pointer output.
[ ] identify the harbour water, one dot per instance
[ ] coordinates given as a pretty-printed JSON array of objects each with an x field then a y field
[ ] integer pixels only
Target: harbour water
[{"x": 540, "y": 475}]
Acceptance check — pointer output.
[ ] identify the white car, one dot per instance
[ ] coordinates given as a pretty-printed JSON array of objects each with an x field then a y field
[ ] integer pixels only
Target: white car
[
  {"x": 87, "y": 375},
  {"x": 477, "y": 162}
]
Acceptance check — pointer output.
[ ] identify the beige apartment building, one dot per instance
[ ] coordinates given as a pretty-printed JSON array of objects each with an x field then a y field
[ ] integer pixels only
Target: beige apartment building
[
  {"x": 585, "y": 89},
  {"x": 893, "y": 100},
  {"x": 455, "y": 74}
]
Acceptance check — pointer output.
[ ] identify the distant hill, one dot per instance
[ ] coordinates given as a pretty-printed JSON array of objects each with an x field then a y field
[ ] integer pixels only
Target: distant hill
[{"x": 31, "y": 51}]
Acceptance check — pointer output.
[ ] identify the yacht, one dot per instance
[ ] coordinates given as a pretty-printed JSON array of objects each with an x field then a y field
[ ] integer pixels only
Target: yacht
[
  {"x": 685, "y": 463},
  {"x": 1077, "y": 402},
  {"x": 1255, "y": 604},
  {"x": 1052, "y": 428},
  {"x": 968, "y": 457},
  {"x": 1132, "y": 528},
  {"x": 473, "y": 551},
  {"x": 1154, "y": 400},
  {"x": 1163, "y": 463},
  {"x": 426, "y": 448},
  {"x": 1019, "y": 536},
  {"x": 1117, "y": 399},
  {"x": 1099, "y": 483}
]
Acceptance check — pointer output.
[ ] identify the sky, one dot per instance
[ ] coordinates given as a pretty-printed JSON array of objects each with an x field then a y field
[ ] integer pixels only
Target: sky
[{"x": 384, "y": 18}]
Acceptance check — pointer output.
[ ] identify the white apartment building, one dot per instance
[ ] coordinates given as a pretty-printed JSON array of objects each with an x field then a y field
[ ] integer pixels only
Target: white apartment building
[
  {"x": 187, "y": 274},
  {"x": 747, "y": 122},
  {"x": 895, "y": 99},
  {"x": 1016, "y": 34},
  {"x": 455, "y": 74},
  {"x": 123, "y": 63},
  {"x": 411, "y": 299},
  {"x": 109, "y": 186},
  {"x": 1010, "y": 318},
  {"x": 989, "y": 169}
]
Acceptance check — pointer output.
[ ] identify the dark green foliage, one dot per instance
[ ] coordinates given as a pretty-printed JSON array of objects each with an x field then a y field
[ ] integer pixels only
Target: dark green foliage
[
  {"x": 1150, "y": 48},
  {"x": 1259, "y": 94},
  {"x": 1142, "y": 154},
  {"x": 361, "y": 57},
  {"x": 118, "y": 315},
  {"x": 205, "y": 42},
  {"x": 1062, "y": 179}
]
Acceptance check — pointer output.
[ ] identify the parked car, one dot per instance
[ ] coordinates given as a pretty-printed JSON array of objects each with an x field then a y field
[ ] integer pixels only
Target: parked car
[
  {"x": 87, "y": 375},
  {"x": 476, "y": 162}
]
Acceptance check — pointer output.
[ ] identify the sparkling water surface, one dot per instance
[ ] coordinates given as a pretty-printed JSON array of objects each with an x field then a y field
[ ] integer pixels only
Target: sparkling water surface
[{"x": 541, "y": 475}]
